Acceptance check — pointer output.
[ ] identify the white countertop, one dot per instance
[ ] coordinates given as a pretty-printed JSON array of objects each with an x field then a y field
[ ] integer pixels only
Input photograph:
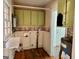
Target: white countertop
[{"x": 13, "y": 42}]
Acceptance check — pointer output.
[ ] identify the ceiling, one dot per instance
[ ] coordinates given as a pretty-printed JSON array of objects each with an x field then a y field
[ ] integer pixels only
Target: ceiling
[{"x": 32, "y": 2}]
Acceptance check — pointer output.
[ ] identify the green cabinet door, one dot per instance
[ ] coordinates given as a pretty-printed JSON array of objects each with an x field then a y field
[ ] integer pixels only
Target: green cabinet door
[
  {"x": 41, "y": 18},
  {"x": 27, "y": 16},
  {"x": 70, "y": 13},
  {"x": 19, "y": 16},
  {"x": 34, "y": 17}
]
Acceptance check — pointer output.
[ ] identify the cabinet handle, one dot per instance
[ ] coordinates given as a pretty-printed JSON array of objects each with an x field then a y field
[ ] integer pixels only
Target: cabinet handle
[{"x": 26, "y": 36}]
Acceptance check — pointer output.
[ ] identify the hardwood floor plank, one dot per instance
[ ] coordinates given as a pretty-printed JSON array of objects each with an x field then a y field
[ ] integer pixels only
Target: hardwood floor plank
[{"x": 32, "y": 54}]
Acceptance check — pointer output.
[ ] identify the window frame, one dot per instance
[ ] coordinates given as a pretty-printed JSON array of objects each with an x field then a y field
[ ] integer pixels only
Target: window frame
[{"x": 6, "y": 21}]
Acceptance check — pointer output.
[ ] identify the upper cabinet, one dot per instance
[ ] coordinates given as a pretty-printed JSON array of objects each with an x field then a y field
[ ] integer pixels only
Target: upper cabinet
[
  {"x": 27, "y": 17},
  {"x": 34, "y": 17},
  {"x": 41, "y": 18},
  {"x": 19, "y": 17}
]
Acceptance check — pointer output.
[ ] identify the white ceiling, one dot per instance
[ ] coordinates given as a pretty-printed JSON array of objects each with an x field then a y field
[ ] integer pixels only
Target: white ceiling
[{"x": 32, "y": 2}]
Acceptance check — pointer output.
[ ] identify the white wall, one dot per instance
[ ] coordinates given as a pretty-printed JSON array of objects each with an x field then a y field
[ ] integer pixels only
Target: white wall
[
  {"x": 51, "y": 18},
  {"x": 53, "y": 31}
]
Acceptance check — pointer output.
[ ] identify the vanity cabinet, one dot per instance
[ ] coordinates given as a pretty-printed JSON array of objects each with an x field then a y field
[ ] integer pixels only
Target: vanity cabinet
[
  {"x": 47, "y": 42},
  {"x": 40, "y": 39},
  {"x": 26, "y": 42},
  {"x": 33, "y": 37},
  {"x": 29, "y": 41}
]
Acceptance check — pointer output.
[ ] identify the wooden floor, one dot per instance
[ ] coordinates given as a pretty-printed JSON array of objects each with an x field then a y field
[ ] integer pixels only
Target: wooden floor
[{"x": 32, "y": 54}]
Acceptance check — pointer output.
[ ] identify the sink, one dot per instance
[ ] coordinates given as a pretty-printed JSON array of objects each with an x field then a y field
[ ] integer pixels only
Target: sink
[{"x": 13, "y": 42}]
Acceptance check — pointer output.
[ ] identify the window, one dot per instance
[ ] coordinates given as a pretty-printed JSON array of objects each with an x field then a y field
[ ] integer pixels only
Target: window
[{"x": 7, "y": 21}]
